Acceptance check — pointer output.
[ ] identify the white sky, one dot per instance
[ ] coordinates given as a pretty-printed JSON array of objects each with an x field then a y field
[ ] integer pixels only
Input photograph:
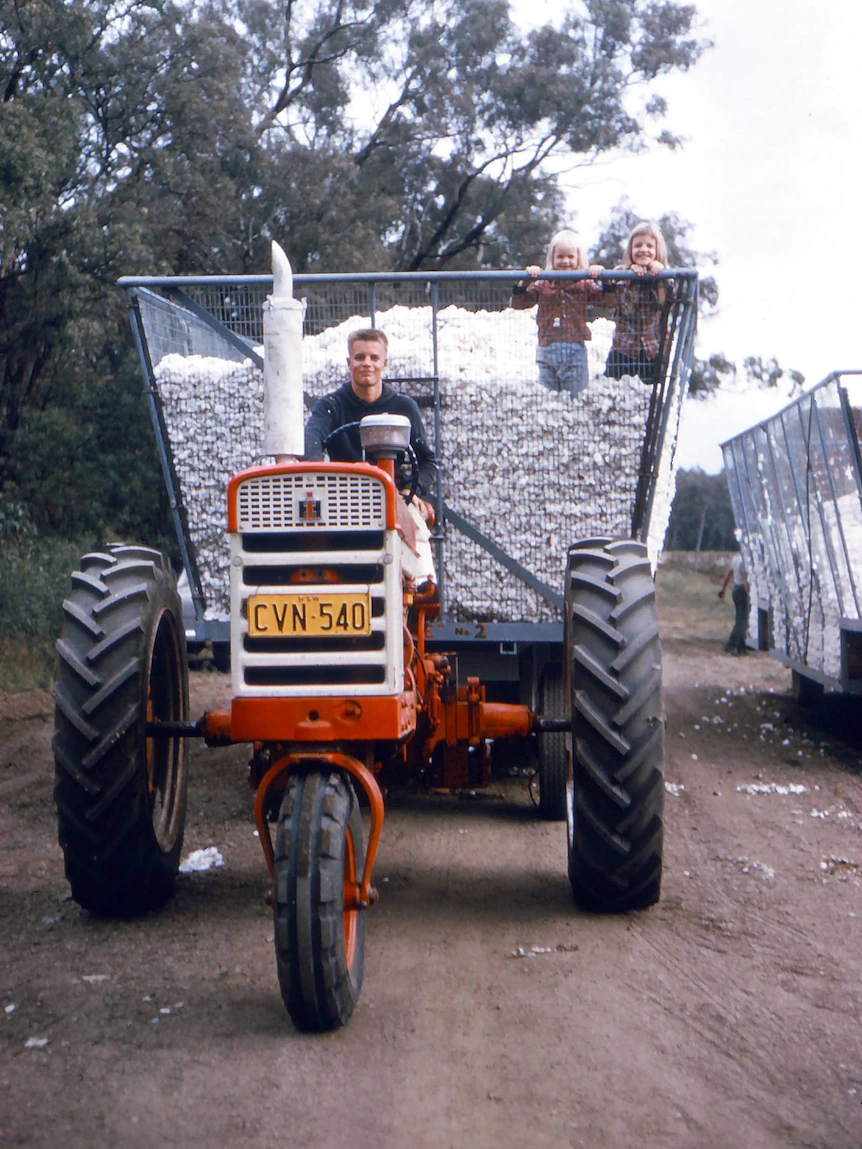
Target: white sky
[{"x": 770, "y": 175}]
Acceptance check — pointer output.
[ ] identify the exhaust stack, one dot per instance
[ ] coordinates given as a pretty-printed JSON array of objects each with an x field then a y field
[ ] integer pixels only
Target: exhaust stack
[{"x": 283, "y": 431}]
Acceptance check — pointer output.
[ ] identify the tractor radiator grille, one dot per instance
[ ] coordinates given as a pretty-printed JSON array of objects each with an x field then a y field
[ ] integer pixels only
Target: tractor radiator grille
[{"x": 332, "y": 502}]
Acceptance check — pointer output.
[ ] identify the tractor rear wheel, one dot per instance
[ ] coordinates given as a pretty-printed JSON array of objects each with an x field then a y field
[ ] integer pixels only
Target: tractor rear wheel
[
  {"x": 121, "y": 796},
  {"x": 553, "y": 758},
  {"x": 616, "y": 797},
  {"x": 319, "y": 931}
]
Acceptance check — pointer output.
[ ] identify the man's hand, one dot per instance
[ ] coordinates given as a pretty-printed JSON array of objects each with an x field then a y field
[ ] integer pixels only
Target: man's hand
[{"x": 721, "y": 593}]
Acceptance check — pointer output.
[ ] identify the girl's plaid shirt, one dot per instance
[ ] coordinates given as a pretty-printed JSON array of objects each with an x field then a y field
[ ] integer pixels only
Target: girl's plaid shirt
[
  {"x": 638, "y": 311},
  {"x": 562, "y": 314}
]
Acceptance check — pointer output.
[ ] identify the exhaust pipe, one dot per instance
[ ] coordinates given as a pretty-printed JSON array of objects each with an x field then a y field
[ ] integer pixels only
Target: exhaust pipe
[{"x": 283, "y": 424}]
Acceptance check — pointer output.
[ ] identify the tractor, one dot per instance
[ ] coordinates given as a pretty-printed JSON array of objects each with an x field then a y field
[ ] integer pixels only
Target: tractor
[{"x": 343, "y": 688}]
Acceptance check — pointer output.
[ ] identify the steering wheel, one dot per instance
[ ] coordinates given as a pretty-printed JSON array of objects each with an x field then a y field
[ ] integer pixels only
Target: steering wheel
[
  {"x": 343, "y": 430},
  {"x": 407, "y": 474},
  {"x": 406, "y": 467}
]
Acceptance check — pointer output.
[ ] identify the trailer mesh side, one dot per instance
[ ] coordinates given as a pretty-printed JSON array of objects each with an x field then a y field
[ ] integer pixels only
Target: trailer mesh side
[{"x": 796, "y": 490}]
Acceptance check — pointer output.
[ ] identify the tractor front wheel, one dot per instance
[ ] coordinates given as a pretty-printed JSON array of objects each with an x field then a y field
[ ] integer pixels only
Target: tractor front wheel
[
  {"x": 120, "y": 795},
  {"x": 616, "y": 794},
  {"x": 319, "y": 929}
]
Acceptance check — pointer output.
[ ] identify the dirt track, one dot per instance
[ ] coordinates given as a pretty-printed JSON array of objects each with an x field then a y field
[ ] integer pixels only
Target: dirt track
[{"x": 728, "y": 1015}]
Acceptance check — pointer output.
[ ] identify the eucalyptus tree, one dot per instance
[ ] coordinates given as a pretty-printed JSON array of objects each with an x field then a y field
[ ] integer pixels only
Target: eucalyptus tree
[{"x": 443, "y": 119}]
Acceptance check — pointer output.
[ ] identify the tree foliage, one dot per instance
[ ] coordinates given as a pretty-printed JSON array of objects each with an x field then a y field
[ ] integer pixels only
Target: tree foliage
[
  {"x": 702, "y": 515},
  {"x": 768, "y": 372}
]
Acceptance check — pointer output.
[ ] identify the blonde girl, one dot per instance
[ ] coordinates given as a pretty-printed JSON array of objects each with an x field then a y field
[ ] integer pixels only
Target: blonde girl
[
  {"x": 561, "y": 314},
  {"x": 639, "y": 307}
]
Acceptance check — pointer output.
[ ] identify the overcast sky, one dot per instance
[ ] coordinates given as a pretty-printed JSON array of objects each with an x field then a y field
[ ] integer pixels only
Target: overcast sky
[{"x": 771, "y": 177}]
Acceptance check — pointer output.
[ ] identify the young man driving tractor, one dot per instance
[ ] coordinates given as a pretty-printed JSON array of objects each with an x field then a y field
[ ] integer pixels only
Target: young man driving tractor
[{"x": 366, "y": 393}]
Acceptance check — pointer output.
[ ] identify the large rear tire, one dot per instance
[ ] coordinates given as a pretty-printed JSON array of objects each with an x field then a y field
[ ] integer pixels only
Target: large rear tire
[
  {"x": 121, "y": 796},
  {"x": 616, "y": 795},
  {"x": 319, "y": 940},
  {"x": 553, "y": 757}
]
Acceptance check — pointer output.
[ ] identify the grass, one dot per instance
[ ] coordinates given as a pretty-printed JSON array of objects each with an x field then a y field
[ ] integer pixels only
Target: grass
[
  {"x": 26, "y": 664},
  {"x": 34, "y": 580},
  {"x": 688, "y": 605}
]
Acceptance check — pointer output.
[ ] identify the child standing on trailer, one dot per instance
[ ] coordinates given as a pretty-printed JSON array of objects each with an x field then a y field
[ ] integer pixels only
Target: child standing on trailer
[
  {"x": 639, "y": 308},
  {"x": 561, "y": 314}
]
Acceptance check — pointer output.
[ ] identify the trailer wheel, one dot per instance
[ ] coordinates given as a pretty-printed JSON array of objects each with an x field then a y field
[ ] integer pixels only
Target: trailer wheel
[
  {"x": 553, "y": 759},
  {"x": 616, "y": 796},
  {"x": 807, "y": 691},
  {"x": 120, "y": 796},
  {"x": 319, "y": 936}
]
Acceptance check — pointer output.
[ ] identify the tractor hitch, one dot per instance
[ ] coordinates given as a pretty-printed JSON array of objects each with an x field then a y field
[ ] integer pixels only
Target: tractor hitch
[
  {"x": 551, "y": 725},
  {"x": 214, "y": 726},
  {"x": 175, "y": 729}
]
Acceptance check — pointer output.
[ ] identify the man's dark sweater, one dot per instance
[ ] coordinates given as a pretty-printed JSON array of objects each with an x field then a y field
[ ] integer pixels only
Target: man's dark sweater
[{"x": 344, "y": 406}]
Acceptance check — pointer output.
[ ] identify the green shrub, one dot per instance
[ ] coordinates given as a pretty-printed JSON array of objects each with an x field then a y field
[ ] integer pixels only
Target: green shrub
[
  {"x": 89, "y": 468},
  {"x": 34, "y": 580}
]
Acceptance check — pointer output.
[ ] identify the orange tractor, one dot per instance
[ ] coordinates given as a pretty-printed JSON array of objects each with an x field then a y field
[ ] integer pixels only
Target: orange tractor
[{"x": 338, "y": 688}]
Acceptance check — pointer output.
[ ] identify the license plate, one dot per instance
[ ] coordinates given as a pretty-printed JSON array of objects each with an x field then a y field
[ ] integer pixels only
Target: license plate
[{"x": 299, "y": 614}]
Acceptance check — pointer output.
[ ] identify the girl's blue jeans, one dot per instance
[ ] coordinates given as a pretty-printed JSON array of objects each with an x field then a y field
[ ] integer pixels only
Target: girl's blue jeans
[{"x": 563, "y": 367}]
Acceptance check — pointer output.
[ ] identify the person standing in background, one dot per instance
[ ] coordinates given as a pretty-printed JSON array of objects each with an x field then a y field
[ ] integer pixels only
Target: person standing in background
[{"x": 736, "y": 574}]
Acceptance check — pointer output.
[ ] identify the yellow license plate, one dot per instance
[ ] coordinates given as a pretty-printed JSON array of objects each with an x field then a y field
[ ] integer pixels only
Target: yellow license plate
[{"x": 299, "y": 614}]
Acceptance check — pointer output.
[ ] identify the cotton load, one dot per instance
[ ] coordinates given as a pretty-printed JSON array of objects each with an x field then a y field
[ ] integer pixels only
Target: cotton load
[{"x": 531, "y": 470}]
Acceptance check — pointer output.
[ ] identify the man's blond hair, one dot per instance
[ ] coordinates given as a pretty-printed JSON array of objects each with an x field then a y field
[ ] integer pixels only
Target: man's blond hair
[{"x": 367, "y": 335}]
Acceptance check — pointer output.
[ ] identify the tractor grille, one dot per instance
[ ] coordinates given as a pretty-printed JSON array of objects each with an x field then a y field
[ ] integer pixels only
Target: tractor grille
[
  {"x": 320, "y": 533},
  {"x": 333, "y": 502}
]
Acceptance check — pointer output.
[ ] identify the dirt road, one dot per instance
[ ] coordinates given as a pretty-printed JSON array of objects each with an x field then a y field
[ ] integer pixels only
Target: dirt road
[{"x": 494, "y": 1013}]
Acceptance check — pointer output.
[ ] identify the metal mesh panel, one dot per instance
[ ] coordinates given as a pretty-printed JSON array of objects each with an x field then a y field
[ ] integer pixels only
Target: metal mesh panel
[
  {"x": 795, "y": 486},
  {"x": 174, "y": 330},
  {"x": 530, "y": 468},
  {"x": 237, "y": 305}
]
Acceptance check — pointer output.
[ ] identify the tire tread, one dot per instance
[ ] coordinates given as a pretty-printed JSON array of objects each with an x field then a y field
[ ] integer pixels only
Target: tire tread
[
  {"x": 318, "y": 989},
  {"x": 614, "y": 653},
  {"x": 118, "y": 606}
]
